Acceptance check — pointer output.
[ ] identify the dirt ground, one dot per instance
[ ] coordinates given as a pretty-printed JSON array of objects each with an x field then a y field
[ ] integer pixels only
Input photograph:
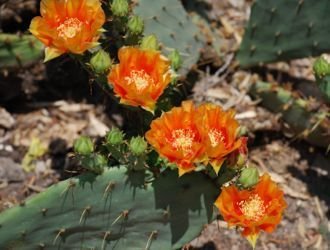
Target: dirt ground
[{"x": 48, "y": 103}]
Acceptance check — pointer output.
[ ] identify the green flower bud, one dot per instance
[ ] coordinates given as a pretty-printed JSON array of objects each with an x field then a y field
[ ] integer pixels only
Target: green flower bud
[
  {"x": 138, "y": 145},
  {"x": 120, "y": 7},
  {"x": 135, "y": 25},
  {"x": 249, "y": 177},
  {"x": 176, "y": 59},
  {"x": 321, "y": 67},
  {"x": 83, "y": 145},
  {"x": 115, "y": 136},
  {"x": 100, "y": 62},
  {"x": 95, "y": 163},
  {"x": 149, "y": 43}
]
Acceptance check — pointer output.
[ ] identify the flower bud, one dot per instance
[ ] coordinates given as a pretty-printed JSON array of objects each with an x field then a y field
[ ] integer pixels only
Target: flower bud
[
  {"x": 176, "y": 59},
  {"x": 115, "y": 136},
  {"x": 149, "y": 43},
  {"x": 135, "y": 25},
  {"x": 249, "y": 177},
  {"x": 100, "y": 62},
  {"x": 95, "y": 163},
  {"x": 119, "y": 7},
  {"x": 138, "y": 145},
  {"x": 321, "y": 67},
  {"x": 83, "y": 145}
]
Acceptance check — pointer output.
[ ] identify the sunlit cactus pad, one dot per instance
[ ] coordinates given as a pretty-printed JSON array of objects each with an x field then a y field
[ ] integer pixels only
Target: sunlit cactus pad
[
  {"x": 285, "y": 29},
  {"x": 114, "y": 210},
  {"x": 168, "y": 20}
]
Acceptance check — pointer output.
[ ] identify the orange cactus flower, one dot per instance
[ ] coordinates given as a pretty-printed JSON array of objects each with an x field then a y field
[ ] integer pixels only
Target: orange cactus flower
[
  {"x": 141, "y": 77},
  {"x": 253, "y": 210},
  {"x": 175, "y": 136},
  {"x": 68, "y": 26},
  {"x": 219, "y": 129}
]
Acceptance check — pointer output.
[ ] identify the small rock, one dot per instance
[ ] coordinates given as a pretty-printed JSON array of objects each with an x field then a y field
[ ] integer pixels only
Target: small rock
[
  {"x": 10, "y": 170},
  {"x": 6, "y": 120}
]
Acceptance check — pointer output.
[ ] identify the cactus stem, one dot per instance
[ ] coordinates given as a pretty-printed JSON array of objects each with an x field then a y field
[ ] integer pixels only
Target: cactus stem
[
  {"x": 315, "y": 44},
  {"x": 155, "y": 18},
  {"x": 164, "y": 8},
  {"x": 106, "y": 235},
  {"x": 84, "y": 214},
  {"x": 180, "y": 23},
  {"x": 123, "y": 214},
  {"x": 44, "y": 211},
  {"x": 172, "y": 36},
  {"x": 279, "y": 52},
  {"x": 60, "y": 233},
  {"x": 152, "y": 236}
]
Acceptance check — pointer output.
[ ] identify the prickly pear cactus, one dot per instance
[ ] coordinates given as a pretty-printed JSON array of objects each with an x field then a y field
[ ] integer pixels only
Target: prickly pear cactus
[
  {"x": 322, "y": 75},
  {"x": 115, "y": 210},
  {"x": 174, "y": 28},
  {"x": 19, "y": 50},
  {"x": 283, "y": 30},
  {"x": 313, "y": 126}
]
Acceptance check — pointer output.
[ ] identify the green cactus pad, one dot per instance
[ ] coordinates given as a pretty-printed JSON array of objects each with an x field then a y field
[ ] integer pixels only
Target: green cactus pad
[
  {"x": 115, "y": 210},
  {"x": 313, "y": 126},
  {"x": 19, "y": 50},
  {"x": 168, "y": 20},
  {"x": 324, "y": 85},
  {"x": 282, "y": 30},
  {"x": 321, "y": 69}
]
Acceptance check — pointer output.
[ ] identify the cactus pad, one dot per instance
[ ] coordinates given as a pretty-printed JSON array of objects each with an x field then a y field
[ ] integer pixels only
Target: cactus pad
[
  {"x": 115, "y": 210},
  {"x": 19, "y": 50},
  {"x": 282, "y": 30},
  {"x": 313, "y": 126},
  {"x": 168, "y": 20}
]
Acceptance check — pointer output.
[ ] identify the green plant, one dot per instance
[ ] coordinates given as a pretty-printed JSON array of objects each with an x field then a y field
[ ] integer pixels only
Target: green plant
[
  {"x": 283, "y": 30},
  {"x": 19, "y": 50},
  {"x": 168, "y": 20},
  {"x": 322, "y": 76},
  {"x": 311, "y": 125},
  {"x": 119, "y": 209}
]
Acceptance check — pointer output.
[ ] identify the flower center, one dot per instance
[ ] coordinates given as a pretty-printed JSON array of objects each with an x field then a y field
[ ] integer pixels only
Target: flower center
[
  {"x": 216, "y": 136},
  {"x": 182, "y": 139},
  {"x": 253, "y": 208},
  {"x": 69, "y": 28},
  {"x": 140, "y": 79}
]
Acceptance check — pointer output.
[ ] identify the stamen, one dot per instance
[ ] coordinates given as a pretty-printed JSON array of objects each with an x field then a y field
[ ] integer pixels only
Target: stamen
[
  {"x": 253, "y": 208},
  {"x": 69, "y": 28},
  {"x": 140, "y": 79},
  {"x": 182, "y": 139},
  {"x": 216, "y": 136}
]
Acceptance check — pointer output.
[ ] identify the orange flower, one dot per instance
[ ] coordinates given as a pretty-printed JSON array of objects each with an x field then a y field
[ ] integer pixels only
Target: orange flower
[
  {"x": 174, "y": 135},
  {"x": 68, "y": 26},
  {"x": 219, "y": 129},
  {"x": 141, "y": 77},
  {"x": 258, "y": 209}
]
